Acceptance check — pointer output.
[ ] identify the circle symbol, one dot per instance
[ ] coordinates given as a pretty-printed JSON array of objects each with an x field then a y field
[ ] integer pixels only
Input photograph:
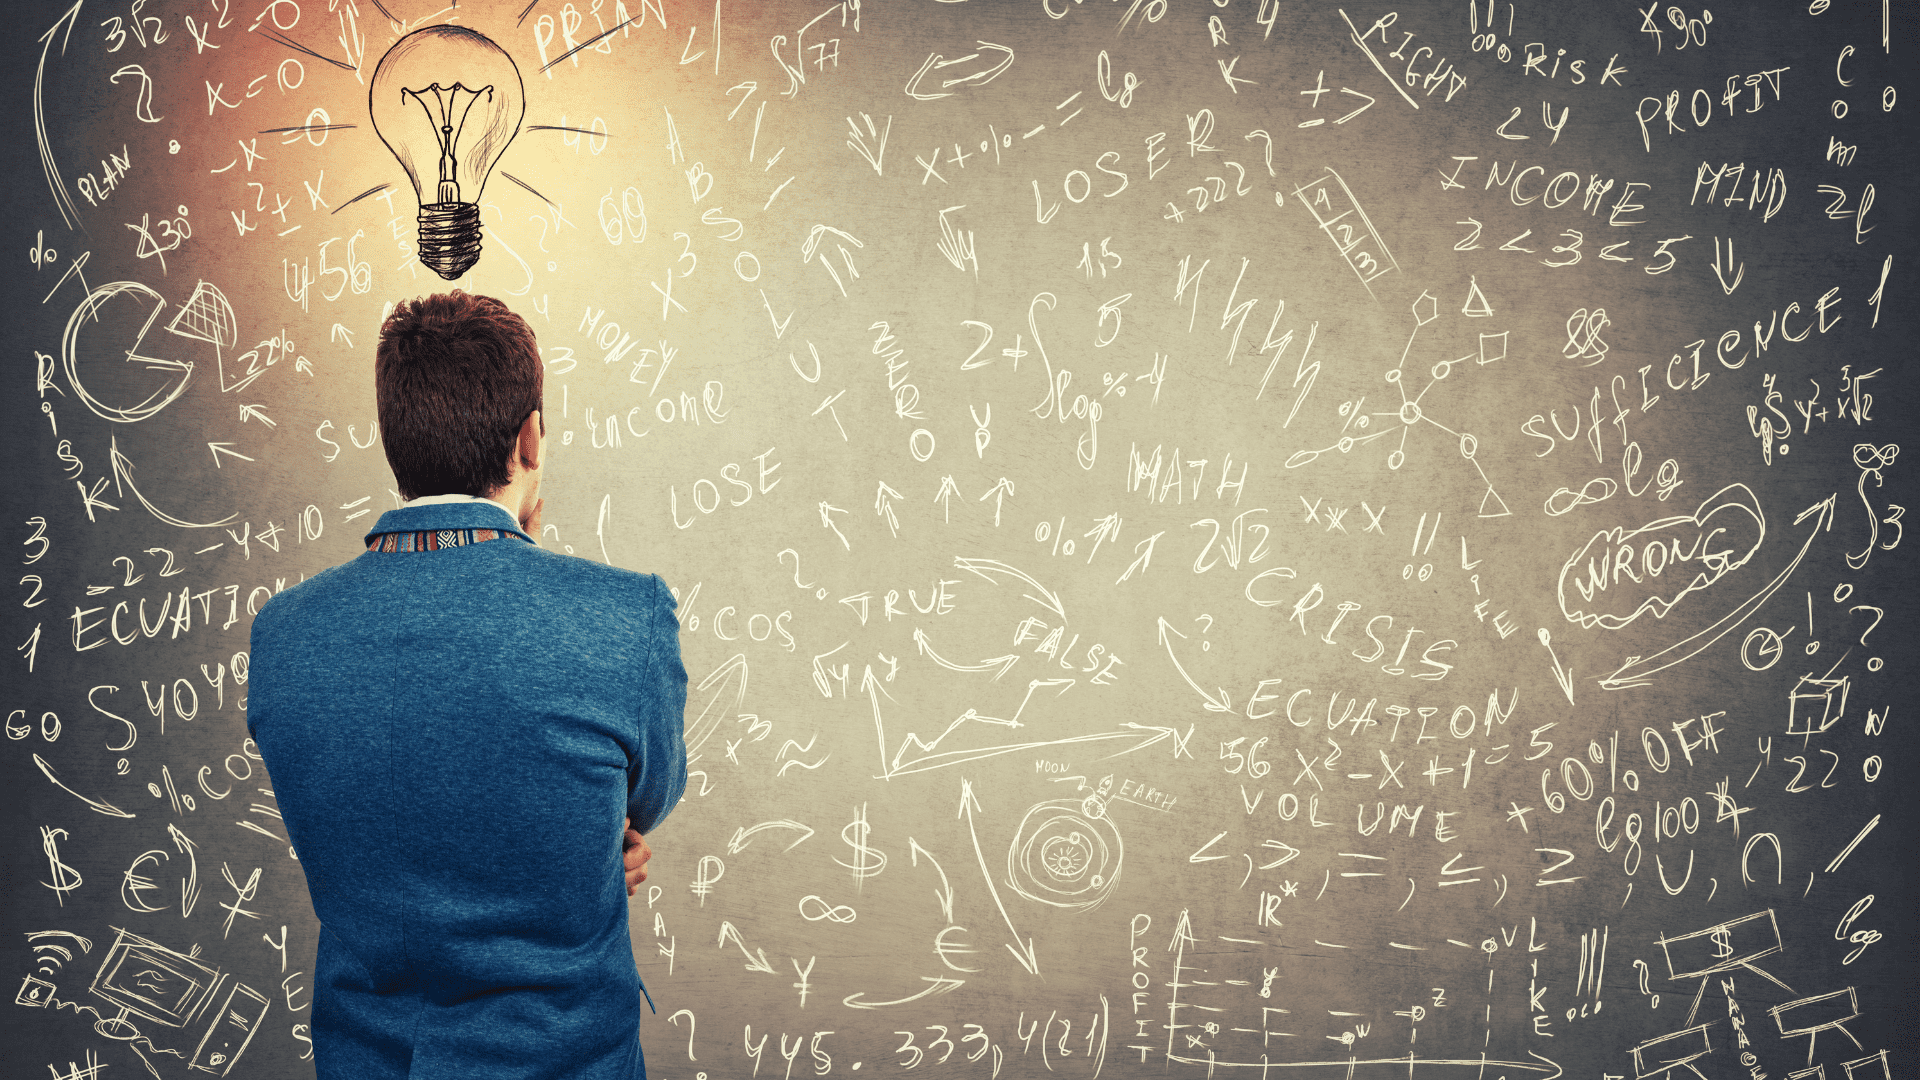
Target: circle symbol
[{"x": 1066, "y": 854}]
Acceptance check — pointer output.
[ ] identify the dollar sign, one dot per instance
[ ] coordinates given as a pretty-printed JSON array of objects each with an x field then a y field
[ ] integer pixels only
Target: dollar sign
[
  {"x": 867, "y": 860},
  {"x": 65, "y": 878},
  {"x": 710, "y": 870},
  {"x": 1722, "y": 944}
]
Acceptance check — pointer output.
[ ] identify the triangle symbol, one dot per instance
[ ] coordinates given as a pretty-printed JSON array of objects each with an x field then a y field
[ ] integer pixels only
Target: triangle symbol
[
  {"x": 1476, "y": 306},
  {"x": 1493, "y": 498}
]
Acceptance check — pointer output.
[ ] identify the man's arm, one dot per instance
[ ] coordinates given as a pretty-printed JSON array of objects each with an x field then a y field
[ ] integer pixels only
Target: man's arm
[{"x": 662, "y": 775}]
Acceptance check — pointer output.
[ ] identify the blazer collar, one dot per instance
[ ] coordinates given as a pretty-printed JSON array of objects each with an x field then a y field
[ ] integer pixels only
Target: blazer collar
[{"x": 466, "y": 515}]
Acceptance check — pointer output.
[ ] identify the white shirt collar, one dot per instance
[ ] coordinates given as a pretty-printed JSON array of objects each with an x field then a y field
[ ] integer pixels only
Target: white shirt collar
[{"x": 435, "y": 500}]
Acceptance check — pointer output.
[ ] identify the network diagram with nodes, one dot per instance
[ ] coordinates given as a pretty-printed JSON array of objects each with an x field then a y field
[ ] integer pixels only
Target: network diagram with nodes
[{"x": 1411, "y": 414}]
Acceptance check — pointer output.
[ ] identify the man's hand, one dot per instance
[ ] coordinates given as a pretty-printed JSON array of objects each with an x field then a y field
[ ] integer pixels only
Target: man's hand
[{"x": 635, "y": 851}]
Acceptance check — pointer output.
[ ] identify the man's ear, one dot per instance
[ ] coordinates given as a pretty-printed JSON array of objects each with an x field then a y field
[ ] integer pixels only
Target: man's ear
[{"x": 532, "y": 444}]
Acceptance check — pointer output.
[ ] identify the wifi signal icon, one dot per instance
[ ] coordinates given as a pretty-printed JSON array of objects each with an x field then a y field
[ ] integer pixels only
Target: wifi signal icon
[{"x": 49, "y": 957}]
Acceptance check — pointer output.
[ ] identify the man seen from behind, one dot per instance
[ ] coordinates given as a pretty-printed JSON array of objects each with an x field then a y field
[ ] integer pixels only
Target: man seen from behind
[{"x": 467, "y": 736}]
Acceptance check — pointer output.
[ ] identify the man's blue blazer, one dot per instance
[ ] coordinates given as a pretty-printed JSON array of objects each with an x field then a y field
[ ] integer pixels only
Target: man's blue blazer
[{"x": 454, "y": 736}]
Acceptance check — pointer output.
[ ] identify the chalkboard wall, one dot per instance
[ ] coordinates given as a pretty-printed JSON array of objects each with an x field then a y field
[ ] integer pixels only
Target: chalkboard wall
[{"x": 1213, "y": 537}]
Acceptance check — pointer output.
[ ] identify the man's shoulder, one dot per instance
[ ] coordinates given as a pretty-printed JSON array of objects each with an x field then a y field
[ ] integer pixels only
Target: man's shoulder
[
  {"x": 572, "y": 571},
  {"x": 559, "y": 581},
  {"x": 307, "y": 589}
]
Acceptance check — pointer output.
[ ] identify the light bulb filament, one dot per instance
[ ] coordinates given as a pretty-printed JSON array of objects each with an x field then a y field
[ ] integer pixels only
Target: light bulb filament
[{"x": 446, "y": 102}]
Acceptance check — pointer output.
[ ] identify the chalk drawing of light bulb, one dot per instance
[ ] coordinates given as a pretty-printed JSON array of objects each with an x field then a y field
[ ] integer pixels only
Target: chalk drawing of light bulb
[{"x": 447, "y": 101}]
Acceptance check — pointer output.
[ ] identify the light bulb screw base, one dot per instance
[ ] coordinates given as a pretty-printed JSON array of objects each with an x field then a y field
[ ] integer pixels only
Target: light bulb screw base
[{"x": 449, "y": 237}]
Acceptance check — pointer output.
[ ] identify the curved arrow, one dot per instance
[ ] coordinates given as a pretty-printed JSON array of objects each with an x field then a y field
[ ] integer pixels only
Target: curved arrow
[
  {"x": 123, "y": 480},
  {"x": 986, "y": 568},
  {"x": 68, "y": 212},
  {"x": 1004, "y": 663},
  {"x": 743, "y": 836},
  {"x": 100, "y": 806},
  {"x": 701, "y": 728},
  {"x": 945, "y": 892},
  {"x": 1638, "y": 672},
  {"x": 1224, "y": 704},
  {"x": 940, "y": 986}
]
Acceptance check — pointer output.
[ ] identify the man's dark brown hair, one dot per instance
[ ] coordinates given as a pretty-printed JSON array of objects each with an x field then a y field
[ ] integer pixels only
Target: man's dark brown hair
[{"x": 455, "y": 377}]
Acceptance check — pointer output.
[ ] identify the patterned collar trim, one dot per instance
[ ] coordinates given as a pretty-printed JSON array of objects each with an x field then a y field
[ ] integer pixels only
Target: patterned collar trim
[{"x": 433, "y": 539}]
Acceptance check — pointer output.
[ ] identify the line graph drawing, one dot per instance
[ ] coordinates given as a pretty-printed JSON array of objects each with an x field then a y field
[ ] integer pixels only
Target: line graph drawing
[{"x": 914, "y": 754}]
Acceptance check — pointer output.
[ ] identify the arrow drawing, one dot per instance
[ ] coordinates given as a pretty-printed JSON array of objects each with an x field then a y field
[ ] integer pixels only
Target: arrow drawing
[
  {"x": 948, "y": 489},
  {"x": 219, "y": 448},
  {"x": 744, "y": 836},
  {"x": 701, "y": 728},
  {"x": 123, "y": 482},
  {"x": 1140, "y": 736},
  {"x": 940, "y": 986},
  {"x": 1024, "y": 954},
  {"x": 1222, "y": 705},
  {"x": 68, "y": 212},
  {"x": 885, "y": 509},
  {"x": 1719, "y": 271},
  {"x": 756, "y": 958},
  {"x": 945, "y": 892},
  {"x": 986, "y": 568},
  {"x": 905, "y": 760},
  {"x": 1409, "y": 1061},
  {"x": 998, "y": 492},
  {"x": 859, "y": 144},
  {"x": 100, "y": 806},
  {"x": 1004, "y": 663},
  {"x": 1637, "y": 671},
  {"x": 256, "y": 412},
  {"x": 1562, "y": 674}
]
